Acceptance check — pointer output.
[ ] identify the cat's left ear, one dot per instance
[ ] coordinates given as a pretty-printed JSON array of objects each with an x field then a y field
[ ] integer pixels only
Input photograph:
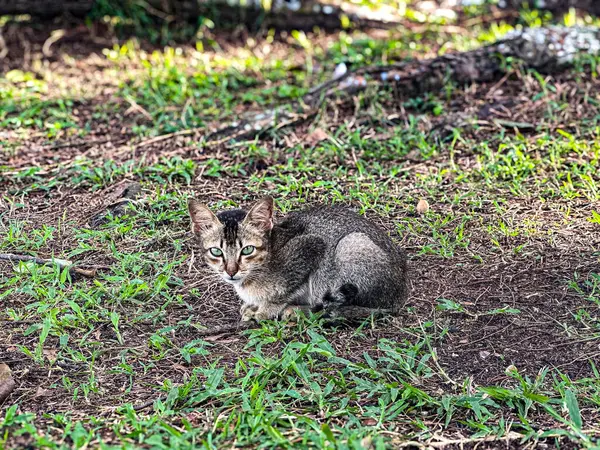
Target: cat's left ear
[{"x": 261, "y": 214}]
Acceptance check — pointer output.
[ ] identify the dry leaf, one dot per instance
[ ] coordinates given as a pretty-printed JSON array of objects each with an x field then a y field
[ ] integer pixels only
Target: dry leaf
[
  {"x": 41, "y": 392},
  {"x": 7, "y": 383},
  {"x": 366, "y": 442},
  {"x": 220, "y": 339},
  {"x": 50, "y": 354},
  {"x": 315, "y": 137},
  {"x": 180, "y": 368},
  {"x": 422, "y": 206}
]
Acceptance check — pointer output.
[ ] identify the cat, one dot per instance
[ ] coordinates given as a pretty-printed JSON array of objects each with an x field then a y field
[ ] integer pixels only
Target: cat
[{"x": 323, "y": 258}]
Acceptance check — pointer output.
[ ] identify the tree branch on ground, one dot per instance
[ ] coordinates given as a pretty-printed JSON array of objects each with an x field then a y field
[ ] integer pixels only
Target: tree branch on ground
[
  {"x": 88, "y": 271},
  {"x": 556, "y": 6},
  {"x": 544, "y": 49}
]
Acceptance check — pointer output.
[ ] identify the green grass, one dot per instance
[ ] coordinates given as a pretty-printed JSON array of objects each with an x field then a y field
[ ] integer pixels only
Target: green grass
[
  {"x": 24, "y": 106},
  {"x": 499, "y": 338},
  {"x": 289, "y": 385}
]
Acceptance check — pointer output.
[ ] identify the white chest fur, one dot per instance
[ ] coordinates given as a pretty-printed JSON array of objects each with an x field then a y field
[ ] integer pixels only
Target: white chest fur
[
  {"x": 249, "y": 294},
  {"x": 255, "y": 295}
]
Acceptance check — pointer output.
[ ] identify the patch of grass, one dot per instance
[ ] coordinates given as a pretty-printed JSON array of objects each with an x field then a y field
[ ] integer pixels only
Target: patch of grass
[
  {"x": 494, "y": 303},
  {"x": 144, "y": 21},
  {"x": 15, "y": 236},
  {"x": 177, "y": 96},
  {"x": 84, "y": 173},
  {"x": 307, "y": 392},
  {"x": 21, "y": 94}
]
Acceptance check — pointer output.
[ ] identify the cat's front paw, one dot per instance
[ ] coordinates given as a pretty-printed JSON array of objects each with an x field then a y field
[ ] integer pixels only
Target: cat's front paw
[
  {"x": 255, "y": 313},
  {"x": 248, "y": 312},
  {"x": 290, "y": 313},
  {"x": 293, "y": 313}
]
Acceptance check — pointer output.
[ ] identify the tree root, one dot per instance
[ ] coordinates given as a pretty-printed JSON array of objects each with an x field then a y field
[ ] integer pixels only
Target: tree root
[
  {"x": 87, "y": 271},
  {"x": 544, "y": 49}
]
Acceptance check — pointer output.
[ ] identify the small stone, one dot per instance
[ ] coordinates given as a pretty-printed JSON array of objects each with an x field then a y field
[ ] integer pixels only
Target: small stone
[
  {"x": 366, "y": 442},
  {"x": 41, "y": 392},
  {"x": 422, "y": 206},
  {"x": 7, "y": 383},
  {"x": 315, "y": 137},
  {"x": 484, "y": 354}
]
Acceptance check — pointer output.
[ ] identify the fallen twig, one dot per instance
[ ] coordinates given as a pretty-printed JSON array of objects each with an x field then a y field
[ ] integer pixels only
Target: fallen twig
[
  {"x": 145, "y": 405},
  {"x": 440, "y": 442},
  {"x": 163, "y": 137},
  {"x": 443, "y": 443},
  {"x": 83, "y": 143},
  {"x": 117, "y": 208},
  {"x": 3, "y": 47},
  {"x": 226, "y": 329},
  {"x": 56, "y": 36},
  {"x": 88, "y": 271},
  {"x": 543, "y": 49}
]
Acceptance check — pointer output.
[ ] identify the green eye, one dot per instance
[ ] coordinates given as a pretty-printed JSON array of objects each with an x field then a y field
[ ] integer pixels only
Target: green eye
[
  {"x": 248, "y": 250},
  {"x": 216, "y": 251}
]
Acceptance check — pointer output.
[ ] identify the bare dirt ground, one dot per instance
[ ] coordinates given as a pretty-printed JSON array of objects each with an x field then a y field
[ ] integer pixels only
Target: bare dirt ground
[{"x": 502, "y": 267}]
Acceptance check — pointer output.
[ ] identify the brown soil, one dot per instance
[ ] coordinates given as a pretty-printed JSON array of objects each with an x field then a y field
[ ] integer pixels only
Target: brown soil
[{"x": 478, "y": 345}]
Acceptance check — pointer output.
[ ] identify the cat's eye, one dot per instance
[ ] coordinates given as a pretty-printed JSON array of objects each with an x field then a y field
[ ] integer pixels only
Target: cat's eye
[
  {"x": 216, "y": 252},
  {"x": 248, "y": 250}
]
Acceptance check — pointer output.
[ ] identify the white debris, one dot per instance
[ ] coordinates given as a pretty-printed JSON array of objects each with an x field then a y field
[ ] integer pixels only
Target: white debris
[
  {"x": 294, "y": 6},
  {"x": 353, "y": 81},
  {"x": 553, "y": 42},
  {"x": 340, "y": 71}
]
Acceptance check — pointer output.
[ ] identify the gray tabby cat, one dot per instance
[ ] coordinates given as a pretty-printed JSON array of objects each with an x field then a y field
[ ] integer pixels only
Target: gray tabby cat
[{"x": 325, "y": 258}]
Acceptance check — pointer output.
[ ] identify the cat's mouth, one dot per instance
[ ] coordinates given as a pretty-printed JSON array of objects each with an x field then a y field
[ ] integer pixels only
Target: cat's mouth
[{"x": 232, "y": 280}]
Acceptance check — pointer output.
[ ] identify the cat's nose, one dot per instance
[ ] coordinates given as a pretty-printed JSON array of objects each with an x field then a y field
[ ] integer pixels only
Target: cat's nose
[{"x": 231, "y": 270}]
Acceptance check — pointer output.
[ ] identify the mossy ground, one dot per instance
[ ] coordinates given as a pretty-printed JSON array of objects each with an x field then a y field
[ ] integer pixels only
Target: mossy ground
[{"x": 499, "y": 341}]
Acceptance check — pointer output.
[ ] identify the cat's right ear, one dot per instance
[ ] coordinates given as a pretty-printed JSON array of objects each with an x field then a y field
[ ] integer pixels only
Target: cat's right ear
[{"x": 202, "y": 217}]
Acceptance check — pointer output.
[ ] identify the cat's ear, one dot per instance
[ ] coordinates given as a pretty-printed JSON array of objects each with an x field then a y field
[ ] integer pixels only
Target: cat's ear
[
  {"x": 202, "y": 217},
  {"x": 261, "y": 214}
]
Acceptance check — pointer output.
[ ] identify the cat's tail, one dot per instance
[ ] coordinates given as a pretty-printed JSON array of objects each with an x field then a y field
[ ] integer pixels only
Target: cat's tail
[
  {"x": 352, "y": 313},
  {"x": 341, "y": 304},
  {"x": 346, "y": 294}
]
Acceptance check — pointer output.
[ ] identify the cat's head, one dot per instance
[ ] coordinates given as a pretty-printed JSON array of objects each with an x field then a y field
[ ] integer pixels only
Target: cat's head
[{"x": 235, "y": 242}]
